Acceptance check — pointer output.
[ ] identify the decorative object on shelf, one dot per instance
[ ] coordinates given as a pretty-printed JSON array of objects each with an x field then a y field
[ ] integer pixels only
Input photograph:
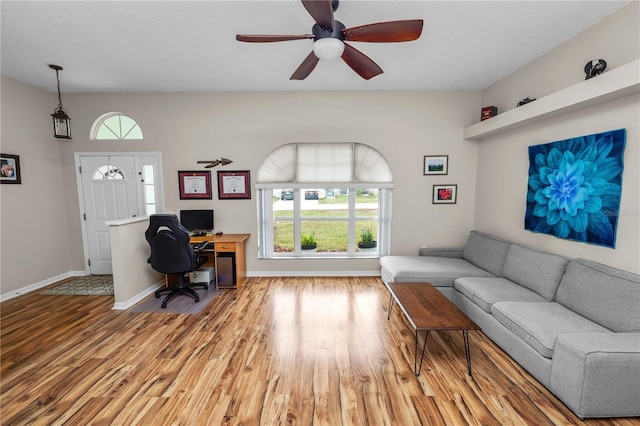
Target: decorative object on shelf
[
  {"x": 575, "y": 186},
  {"x": 61, "y": 121},
  {"x": 488, "y": 112},
  {"x": 616, "y": 83},
  {"x": 10, "y": 171},
  {"x": 367, "y": 243},
  {"x": 308, "y": 241},
  {"x": 194, "y": 184},
  {"x": 445, "y": 194},
  {"x": 219, "y": 162},
  {"x": 234, "y": 185},
  {"x": 525, "y": 101},
  {"x": 594, "y": 68},
  {"x": 436, "y": 165}
]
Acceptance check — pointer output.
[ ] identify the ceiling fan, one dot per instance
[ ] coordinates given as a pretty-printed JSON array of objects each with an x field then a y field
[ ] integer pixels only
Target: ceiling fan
[{"x": 330, "y": 35}]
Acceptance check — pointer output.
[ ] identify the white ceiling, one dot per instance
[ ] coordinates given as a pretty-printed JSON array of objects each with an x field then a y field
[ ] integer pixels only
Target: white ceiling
[{"x": 190, "y": 46}]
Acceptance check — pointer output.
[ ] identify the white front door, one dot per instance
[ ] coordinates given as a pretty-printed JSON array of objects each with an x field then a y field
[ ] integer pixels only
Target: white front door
[{"x": 110, "y": 192}]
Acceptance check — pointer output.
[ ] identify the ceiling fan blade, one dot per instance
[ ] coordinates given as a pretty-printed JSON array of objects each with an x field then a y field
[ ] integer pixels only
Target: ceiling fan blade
[
  {"x": 360, "y": 63},
  {"x": 321, "y": 11},
  {"x": 271, "y": 38},
  {"x": 385, "y": 32},
  {"x": 305, "y": 67}
]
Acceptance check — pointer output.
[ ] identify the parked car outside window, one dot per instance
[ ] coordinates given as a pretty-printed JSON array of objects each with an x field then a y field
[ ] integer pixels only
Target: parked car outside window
[
  {"x": 287, "y": 194},
  {"x": 311, "y": 194}
]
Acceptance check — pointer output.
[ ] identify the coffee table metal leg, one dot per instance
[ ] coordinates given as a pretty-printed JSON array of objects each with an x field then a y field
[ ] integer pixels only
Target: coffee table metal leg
[
  {"x": 465, "y": 334},
  {"x": 418, "y": 367},
  {"x": 390, "y": 307}
]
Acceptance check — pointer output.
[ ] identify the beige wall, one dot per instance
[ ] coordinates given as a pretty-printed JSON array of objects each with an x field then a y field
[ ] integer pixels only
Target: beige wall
[
  {"x": 615, "y": 39},
  {"x": 403, "y": 126},
  {"x": 33, "y": 227},
  {"x": 503, "y": 159},
  {"x": 186, "y": 128}
]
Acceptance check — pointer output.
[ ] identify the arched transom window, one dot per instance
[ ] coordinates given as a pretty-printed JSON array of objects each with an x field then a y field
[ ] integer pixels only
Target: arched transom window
[{"x": 115, "y": 125}]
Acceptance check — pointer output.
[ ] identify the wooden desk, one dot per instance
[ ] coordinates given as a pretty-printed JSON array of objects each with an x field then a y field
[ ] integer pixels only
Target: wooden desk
[{"x": 226, "y": 246}]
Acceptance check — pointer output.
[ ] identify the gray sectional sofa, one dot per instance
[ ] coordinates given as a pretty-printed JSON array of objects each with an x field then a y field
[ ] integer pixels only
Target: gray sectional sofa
[{"x": 574, "y": 324}]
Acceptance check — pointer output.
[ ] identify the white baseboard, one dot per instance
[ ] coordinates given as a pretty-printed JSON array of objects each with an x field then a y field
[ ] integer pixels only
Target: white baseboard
[
  {"x": 129, "y": 303},
  {"x": 313, "y": 273},
  {"x": 40, "y": 284},
  {"x": 121, "y": 306}
]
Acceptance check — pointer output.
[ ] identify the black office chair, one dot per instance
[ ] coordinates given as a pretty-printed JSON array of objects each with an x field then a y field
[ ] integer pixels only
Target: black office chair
[{"x": 171, "y": 253}]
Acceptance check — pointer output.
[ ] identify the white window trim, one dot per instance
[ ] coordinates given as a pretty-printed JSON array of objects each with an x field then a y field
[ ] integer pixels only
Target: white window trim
[
  {"x": 93, "y": 135},
  {"x": 297, "y": 166},
  {"x": 266, "y": 222}
]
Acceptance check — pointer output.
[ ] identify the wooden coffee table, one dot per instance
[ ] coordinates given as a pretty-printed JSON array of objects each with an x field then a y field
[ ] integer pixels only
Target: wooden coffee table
[{"x": 429, "y": 310}]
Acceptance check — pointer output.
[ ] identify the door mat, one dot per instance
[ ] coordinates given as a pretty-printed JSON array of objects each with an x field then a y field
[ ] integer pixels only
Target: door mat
[
  {"x": 89, "y": 285},
  {"x": 178, "y": 304}
]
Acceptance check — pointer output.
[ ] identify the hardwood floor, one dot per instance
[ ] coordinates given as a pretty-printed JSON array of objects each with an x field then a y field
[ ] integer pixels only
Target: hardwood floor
[{"x": 277, "y": 351}]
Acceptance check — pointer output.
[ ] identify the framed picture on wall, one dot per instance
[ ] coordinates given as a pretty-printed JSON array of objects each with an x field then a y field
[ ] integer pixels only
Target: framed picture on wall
[
  {"x": 234, "y": 185},
  {"x": 10, "y": 171},
  {"x": 194, "y": 184},
  {"x": 445, "y": 194},
  {"x": 436, "y": 165}
]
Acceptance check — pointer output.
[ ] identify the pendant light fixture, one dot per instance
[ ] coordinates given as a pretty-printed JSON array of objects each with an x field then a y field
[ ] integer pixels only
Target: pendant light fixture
[{"x": 61, "y": 121}]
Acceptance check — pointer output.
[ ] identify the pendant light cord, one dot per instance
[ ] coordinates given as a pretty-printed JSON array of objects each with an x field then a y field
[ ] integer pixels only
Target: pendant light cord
[{"x": 59, "y": 97}]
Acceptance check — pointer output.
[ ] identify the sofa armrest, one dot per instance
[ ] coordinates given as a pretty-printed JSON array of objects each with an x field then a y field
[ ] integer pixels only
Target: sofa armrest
[
  {"x": 454, "y": 252},
  {"x": 598, "y": 374}
]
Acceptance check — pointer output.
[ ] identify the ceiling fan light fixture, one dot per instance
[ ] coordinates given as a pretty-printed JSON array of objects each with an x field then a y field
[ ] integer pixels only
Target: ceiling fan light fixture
[{"x": 328, "y": 49}]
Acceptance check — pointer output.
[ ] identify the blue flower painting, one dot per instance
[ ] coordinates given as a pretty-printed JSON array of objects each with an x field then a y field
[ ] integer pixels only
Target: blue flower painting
[{"x": 575, "y": 186}]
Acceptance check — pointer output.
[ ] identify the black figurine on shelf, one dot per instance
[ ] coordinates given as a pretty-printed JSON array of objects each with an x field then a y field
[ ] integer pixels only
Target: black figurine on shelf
[
  {"x": 525, "y": 101},
  {"x": 595, "y": 67}
]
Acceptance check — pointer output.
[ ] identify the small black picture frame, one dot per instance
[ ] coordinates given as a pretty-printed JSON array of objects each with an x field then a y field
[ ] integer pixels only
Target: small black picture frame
[
  {"x": 10, "y": 169},
  {"x": 436, "y": 165},
  {"x": 445, "y": 194}
]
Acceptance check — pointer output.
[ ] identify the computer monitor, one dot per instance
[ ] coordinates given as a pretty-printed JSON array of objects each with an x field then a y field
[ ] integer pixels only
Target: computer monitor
[{"x": 197, "y": 220}]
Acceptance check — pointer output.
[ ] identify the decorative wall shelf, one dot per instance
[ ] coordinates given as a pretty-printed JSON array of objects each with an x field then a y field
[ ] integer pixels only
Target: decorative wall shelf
[{"x": 610, "y": 85}]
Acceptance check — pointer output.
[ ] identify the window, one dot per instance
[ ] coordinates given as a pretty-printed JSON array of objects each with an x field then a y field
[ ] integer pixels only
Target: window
[
  {"x": 108, "y": 171},
  {"x": 148, "y": 183},
  {"x": 320, "y": 200},
  {"x": 115, "y": 125}
]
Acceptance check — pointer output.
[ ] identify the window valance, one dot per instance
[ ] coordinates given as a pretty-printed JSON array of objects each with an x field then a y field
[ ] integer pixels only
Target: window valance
[{"x": 346, "y": 163}]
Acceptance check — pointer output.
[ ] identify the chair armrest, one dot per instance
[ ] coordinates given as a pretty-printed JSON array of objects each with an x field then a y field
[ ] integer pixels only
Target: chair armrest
[
  {"x": 201, "y": 246},
  {"x": 454, "y": 252},
  {"x": 598, "y": 374}
]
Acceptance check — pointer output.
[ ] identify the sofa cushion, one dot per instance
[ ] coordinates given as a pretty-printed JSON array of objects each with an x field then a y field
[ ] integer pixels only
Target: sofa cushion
[
  {"x": 439, "y": 271},
  {"x": 603, "y": 294},
  {"x": 539, "y": 324},
  {"x": 534, "y": 269},
  {"x": 484, "y": 292},
  {"x": 486, "y": 252}
]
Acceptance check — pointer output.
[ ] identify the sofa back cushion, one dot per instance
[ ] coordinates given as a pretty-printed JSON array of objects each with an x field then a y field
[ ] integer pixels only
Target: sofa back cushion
[
  {"x": 486, "y": 252},
  {"x": 602, "y": 294},
  {"x": 536, "y": 270}
]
